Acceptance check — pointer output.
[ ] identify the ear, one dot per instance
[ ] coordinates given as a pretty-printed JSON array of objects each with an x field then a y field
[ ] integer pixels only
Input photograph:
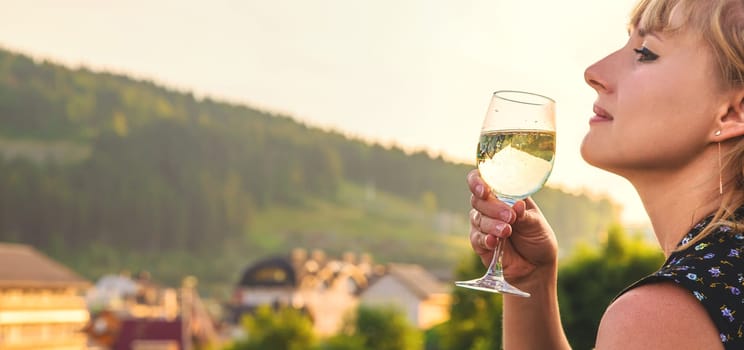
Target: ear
[{"x": 730, "y": 122}]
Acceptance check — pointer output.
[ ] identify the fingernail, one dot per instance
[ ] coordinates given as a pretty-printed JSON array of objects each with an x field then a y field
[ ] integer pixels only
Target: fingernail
[
  {"x": 479, "y": 190},
  {"x": 500, "y": 227},
  {"x": 505, "y": 215}
]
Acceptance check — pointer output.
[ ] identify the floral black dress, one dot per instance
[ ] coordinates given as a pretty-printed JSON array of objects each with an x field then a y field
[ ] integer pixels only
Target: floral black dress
[{"x": 713, "y": 271}]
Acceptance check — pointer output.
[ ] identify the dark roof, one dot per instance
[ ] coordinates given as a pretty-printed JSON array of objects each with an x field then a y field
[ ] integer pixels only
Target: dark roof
[
  {"x": 271, "y": 272},
  {"x": 24, "y": 266}
]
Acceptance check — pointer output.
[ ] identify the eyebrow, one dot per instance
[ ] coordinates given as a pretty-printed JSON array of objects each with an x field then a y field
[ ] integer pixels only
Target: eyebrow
[{"x": 644, "y": 33}]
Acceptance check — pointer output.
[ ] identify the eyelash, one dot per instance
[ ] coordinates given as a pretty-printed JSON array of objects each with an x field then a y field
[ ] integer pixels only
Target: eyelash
[{"x": 645, "y": 55}]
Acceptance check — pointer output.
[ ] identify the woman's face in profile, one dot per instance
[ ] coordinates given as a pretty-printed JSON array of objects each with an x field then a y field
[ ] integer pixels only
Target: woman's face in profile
[{"x": 657, "y": 99}]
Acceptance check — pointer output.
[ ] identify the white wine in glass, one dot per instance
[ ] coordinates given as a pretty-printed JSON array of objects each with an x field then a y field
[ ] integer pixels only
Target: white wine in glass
[{"x": 515, "y": 156}]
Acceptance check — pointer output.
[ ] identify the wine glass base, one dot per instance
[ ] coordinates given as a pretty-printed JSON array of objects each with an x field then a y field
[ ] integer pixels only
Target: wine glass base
[{"x": 492, "y": 284}]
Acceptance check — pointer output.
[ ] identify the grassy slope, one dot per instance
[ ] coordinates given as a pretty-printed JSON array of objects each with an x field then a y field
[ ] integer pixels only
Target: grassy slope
[
  {"x": 385, "y": 226},
  {"x": 389, "y": 228}
]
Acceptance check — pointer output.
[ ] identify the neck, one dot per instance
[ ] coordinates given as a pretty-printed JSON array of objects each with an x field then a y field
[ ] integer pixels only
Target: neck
[
  {"x": 676, "y": 200},
  {"x": 672, "y": 218}
]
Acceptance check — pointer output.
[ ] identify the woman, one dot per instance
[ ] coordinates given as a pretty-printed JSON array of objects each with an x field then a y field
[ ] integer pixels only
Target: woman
[{"x": 669, "y": 117}]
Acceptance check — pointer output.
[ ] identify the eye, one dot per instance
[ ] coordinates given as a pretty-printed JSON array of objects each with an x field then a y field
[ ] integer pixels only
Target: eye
[{"x": 645, "y": 55}]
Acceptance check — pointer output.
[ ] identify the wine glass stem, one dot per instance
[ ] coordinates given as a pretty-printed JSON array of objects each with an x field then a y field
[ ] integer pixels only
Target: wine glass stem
[{"x": 495, "y": 268}]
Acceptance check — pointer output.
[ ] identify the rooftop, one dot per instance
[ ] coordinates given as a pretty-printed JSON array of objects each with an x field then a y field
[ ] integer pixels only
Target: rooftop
[
  {"x": 417, "y": 279},
  {"x": 23, "y": 266}
]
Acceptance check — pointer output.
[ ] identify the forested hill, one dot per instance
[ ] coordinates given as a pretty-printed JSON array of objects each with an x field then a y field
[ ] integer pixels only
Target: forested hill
[{"x": 92, "y": 157}]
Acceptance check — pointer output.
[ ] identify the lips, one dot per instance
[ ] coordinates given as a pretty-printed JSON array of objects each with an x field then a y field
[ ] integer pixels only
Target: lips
[{"x": 600, "y": 115}]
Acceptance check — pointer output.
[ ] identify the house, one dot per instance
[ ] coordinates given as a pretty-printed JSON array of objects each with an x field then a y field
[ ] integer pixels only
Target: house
[
  {"x": 41, "y": 302},
  {"x": 324, "y": 288},
  {"x": 410, "y": 288},
  {"x": 138, "y": 313},
  {"x": 329, "y": 289}
]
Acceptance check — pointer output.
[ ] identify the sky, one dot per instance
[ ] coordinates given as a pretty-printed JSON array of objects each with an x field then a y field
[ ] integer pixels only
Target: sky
[{"x": 417, "y": 74}]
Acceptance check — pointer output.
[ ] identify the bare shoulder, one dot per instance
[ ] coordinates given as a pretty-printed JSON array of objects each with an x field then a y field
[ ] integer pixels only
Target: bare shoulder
[{"x": 657, "y": 316}]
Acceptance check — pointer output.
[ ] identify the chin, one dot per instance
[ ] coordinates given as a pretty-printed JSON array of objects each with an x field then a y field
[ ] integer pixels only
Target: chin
[
  {"x": 589, "y": 159},
  {"x": 586, "y": 150},
  {"x": 604, "y": 164},
  {"x": 593, "y": 157}
]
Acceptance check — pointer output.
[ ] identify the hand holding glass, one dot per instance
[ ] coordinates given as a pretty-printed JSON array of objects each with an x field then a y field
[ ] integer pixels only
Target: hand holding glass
[{"x": 515, "y": 157}]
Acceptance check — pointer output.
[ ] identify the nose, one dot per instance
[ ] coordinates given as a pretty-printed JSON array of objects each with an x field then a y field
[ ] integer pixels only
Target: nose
[{"x": 596, "y": 76}]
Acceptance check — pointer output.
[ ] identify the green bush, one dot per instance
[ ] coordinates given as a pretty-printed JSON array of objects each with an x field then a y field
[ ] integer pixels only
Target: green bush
[
  {"x": 284, "y": 329},
  {"x": 377, "y": 328},
  {"x": 475, "y": 317},
  {"x": 592, "y": 278},
  {"x": 587, "y": 282}
]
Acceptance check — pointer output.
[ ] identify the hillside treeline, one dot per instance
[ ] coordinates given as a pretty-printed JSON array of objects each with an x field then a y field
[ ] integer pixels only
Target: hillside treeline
[{"x": 164, "y": 170}]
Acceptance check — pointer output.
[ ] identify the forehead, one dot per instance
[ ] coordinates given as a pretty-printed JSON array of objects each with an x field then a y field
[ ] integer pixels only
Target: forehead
[
  {"x": 666, "y": 16},
  {"x": 670, "y": 19}
]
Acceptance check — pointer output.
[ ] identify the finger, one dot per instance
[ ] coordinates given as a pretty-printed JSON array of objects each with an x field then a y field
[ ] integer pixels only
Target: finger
[
  {"x": 475, "y": 218},
  {"x": 493, "y": 208},
  {"x": 530, "y": 204},
  {"x": 485, "y": 254},
  {"x": 481, "y": 243},
  {"x": 477, "y": 186},
  {"x": 527, "y": 212},
  {"x": 519, "y": 208},
  {"x": 477, "y": 240},
  {"x": 495, "y": 227},
  {"x": 484, "y": 241}
]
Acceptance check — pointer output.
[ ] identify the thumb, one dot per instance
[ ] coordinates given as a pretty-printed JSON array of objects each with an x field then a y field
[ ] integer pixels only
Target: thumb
[
  {"x": 528, "y": 214},
  {"x": 520, "y": 207}
]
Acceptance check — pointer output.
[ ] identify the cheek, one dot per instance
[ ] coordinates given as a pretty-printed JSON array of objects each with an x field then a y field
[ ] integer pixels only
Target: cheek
[
  {"x": 638, "y": 142},
  {"x": 687, "y": 119},
  {"x": 678, "y": 108}
]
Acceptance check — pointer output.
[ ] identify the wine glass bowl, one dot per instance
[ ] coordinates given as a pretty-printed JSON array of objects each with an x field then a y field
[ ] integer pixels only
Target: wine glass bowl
[{"x": 515, "y": 156}]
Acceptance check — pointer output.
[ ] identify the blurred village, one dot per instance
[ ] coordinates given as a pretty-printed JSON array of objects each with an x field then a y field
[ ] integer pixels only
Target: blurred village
[{"x": 45, "y": 305}]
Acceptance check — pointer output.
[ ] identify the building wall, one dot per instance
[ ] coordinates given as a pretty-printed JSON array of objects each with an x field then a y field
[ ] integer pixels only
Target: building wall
[
  {"x": 34, "y": 318},
  {"x": 328, "y": 307},
  {"x": 434, "y": 311},
  {"x": 389, "y": 291},
  {"x": 266, "y": 296}
]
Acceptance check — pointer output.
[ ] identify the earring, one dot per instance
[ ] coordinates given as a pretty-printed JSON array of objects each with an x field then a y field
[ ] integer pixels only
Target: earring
[{"x": 720, "y": 176}]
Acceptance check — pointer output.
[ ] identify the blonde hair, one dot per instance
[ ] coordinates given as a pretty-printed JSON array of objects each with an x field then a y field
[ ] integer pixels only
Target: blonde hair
[{"x": 721, "y": 24}]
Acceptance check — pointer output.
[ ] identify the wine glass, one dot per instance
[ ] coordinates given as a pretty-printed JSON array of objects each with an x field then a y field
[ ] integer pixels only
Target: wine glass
[{"x": 515, "y": 157}]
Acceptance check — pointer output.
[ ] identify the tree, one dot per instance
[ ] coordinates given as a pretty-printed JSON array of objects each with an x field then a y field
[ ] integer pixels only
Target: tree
[
  {"x": 587, "y": 283},
  {"x": 475, "y": 317},
  {"x": 283, "y": 329},
  {"x": 591, "y": 278},
  {"x": 380, "y": 328}
]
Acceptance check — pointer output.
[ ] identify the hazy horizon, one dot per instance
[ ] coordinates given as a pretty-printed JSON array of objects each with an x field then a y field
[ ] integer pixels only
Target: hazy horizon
[{"x": 415, "y": 74}]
